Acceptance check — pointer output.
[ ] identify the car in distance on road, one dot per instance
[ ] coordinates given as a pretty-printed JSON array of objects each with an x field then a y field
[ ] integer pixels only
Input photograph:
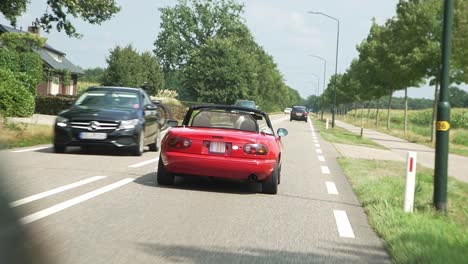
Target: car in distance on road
[
  {"x": 222, "y": 141},
  {"x": 299, "y": 113},
  {"x": 287, "y": 110},
  {"x": 246, "y": 103},
  {"x": 119, "y": 117}
]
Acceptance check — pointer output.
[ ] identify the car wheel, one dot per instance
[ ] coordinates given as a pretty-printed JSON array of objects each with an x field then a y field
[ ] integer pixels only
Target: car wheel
[
  {"x": 270, "y": 185},
  {"x": 154, "y": 146},
  {"x": 139, "y": 148},
  {"x": 290, "y": 119},
  {"x": 59, "y": 148},
  {"x": 163, "y": 177}
]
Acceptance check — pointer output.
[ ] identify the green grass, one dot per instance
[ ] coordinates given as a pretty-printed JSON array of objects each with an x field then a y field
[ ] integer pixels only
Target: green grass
[
  {"x": 416, "y": 133},
  {"x": 340, "y": 135},
  {"x": 423, "y": 236},
  {"x": 14, "y": 135}
]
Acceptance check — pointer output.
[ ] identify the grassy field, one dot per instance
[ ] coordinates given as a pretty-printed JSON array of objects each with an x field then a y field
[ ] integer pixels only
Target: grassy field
[
  {"x": 419, "y": 130},
  {"x": 340, "y": 135},
  {"x": 423, "y": 236},
  {"x": 14, "y": 135}
]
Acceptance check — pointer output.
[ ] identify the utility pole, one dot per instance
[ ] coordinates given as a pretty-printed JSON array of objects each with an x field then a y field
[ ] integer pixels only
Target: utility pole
[{"x": 443, "y": 116}]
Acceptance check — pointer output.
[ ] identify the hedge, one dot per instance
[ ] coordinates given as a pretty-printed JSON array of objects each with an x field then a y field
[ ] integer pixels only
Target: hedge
[
  {"x": 52, "y": 105},
  {"x": 15, "y": 99}
]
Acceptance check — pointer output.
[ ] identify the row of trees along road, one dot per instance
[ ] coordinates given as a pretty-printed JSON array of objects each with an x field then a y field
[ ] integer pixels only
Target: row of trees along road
[
  {"x": 207, "y": 54},
  {"x": 403, "y": 52}
]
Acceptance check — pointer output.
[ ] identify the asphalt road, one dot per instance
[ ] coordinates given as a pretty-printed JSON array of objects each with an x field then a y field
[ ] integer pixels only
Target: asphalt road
[{"x": 103, "y": 207}]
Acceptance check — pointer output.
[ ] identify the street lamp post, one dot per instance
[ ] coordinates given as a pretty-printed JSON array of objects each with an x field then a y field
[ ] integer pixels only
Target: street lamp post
[
  {"x": 324, "y": 68},
  {"x": 336, "y": 61}
]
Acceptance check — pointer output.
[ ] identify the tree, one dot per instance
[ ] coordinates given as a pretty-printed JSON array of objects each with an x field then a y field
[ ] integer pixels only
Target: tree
[
  {"x": 59, "y": 11},
  {"x": 219, "y": 72},
  {"x": 153, "y": 75},
  {"x": 458, "y": 97},
  {"x": 124, "y": 68},
  {"x": 190, "y": 23},
  {"x": 94, "y": 75}
]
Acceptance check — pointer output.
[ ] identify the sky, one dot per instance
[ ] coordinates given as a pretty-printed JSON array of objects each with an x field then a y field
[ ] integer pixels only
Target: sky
[{"x": 283, "y": 28}]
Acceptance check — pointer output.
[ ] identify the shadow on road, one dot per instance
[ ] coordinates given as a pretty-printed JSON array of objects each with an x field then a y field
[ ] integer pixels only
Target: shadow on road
[
  {"x": 99, "y": 151},
  {"x": 203, "y": 184},
  {"x": 340, "y": 253}
]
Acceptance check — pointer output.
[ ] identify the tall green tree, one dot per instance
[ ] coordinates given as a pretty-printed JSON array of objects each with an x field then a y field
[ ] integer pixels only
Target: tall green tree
[
  {"x": 59, "y": 12},
  {"x": 190, "y": 23},
  {"x": 219, "y": 72},
  {"x": 124, "y": 68},
  {"x": 153, "y": 75},
  {"x": 93, "y": 75}
]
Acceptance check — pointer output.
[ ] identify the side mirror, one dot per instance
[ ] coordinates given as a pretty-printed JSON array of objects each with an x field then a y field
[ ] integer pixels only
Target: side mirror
[
  {"x": 172, "y": 123},
  {"x": 282, "y": 132},
  {"x": 151, "y": 107}
]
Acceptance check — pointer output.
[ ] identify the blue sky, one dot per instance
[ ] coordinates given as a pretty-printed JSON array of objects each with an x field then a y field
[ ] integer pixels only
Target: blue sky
[{"x": 284, "y": 29}]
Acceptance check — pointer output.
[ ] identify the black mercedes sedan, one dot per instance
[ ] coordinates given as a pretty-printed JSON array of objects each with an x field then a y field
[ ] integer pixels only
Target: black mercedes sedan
[{"x": 118, "y": 117}]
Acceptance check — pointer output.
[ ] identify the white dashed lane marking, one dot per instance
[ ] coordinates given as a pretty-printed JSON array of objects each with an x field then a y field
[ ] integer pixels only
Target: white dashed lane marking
[
  {"x": 342, "y": 223},
  {"x": 143, "y": 163},
  {"x": 317, "y": 145},
  {"x": 331, "y": 188},
  {"x": 319, "y": 151},
  {"x": 325, "y": 170},
  {"x": 61, "y": 206},
  {"x": 55, "y": 191},
  {"x": 321, "y": 158}
]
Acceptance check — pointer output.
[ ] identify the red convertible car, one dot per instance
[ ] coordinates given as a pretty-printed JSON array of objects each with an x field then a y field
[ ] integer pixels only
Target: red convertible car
[{"x": 224, "y": 142}]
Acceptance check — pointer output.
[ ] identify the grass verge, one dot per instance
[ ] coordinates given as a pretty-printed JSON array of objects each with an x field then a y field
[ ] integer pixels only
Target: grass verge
[
  {"x": 423, "y": 236},
  {"x": 14, "y": 135},
  {"x": 416, "y": 133},
  {"x": 340, "y": 135}
]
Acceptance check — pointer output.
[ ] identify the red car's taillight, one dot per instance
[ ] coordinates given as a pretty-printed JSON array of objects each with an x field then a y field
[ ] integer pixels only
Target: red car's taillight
[
  {"x": 179, "y": 142},
  {"x": 258, "y": 149}
]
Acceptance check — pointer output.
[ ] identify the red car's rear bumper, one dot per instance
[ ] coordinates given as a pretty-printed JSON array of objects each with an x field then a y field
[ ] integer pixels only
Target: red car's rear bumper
[{"x": 217, "y": 166}]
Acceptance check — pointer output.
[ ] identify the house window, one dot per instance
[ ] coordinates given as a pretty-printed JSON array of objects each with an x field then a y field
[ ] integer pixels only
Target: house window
[
  {"x": 54, "y": 86},
  {"x": 70, "y": 88}
]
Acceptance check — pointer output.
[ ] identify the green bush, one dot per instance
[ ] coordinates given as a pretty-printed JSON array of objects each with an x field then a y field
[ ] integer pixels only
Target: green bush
[
  {"x": 52, "y": 105},
  {"x": 15, "y": 99}
]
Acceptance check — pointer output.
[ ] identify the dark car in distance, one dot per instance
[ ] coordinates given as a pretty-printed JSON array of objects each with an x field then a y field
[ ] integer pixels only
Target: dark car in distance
[
  {"x": 118, "y": 117},
  {"x": 299, "y": 113}
]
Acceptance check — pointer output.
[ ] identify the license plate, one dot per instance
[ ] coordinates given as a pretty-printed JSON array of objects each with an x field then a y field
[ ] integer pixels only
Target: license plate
[
  {"x": 91, "y": 135},
  {"x": 217, "y": 147},
  {"x": 298, "y": 114}
]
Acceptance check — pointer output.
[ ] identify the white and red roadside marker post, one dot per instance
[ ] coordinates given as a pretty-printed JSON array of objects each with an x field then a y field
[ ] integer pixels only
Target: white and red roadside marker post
[
  {"x": 410, "y": 181},
  {"x": 326, "y": 123}
]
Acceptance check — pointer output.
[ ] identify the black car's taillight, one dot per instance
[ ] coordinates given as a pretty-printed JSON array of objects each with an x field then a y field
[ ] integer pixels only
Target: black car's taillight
[
  {"x": 258, "y": 149},
  {"x": 179, "y": 142}
]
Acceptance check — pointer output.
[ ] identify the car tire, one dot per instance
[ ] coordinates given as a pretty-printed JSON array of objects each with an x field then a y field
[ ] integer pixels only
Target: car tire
[
  {"x": 163, "y": 177},
  {"x": 270, "y": 185},
  {"x": 154, "y": 146},
  {"x": 59, "y": 148},
  {"x": 140, "y": 146}
]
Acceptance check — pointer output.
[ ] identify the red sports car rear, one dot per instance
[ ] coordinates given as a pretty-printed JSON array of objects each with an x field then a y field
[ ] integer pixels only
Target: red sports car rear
[{"x": 224, "y": 142}]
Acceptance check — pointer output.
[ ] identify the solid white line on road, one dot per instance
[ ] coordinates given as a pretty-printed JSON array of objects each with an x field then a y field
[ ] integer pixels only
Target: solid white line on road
[
  {"x": 319, "y": 151},
  {"x": 143, "y": 163},
  {"x": 325, "y": 170},
  {"x": 321, "y": 158},
  {"x": 54, "y": 191},
  {"x": 331, "y": 188},
  {"x": 61, "y": 206},
  {"x": 342, "y": 223},
  {"x": 31, "y": 149},
  {"x": 317, "y": 145}
]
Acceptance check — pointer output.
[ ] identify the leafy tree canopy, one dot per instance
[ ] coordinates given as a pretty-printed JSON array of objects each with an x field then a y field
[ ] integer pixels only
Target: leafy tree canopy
[
  {"x": 190, "y": 23},
  {"x": 58, "y": 13},
  {"x": 126, "y": 67}
]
